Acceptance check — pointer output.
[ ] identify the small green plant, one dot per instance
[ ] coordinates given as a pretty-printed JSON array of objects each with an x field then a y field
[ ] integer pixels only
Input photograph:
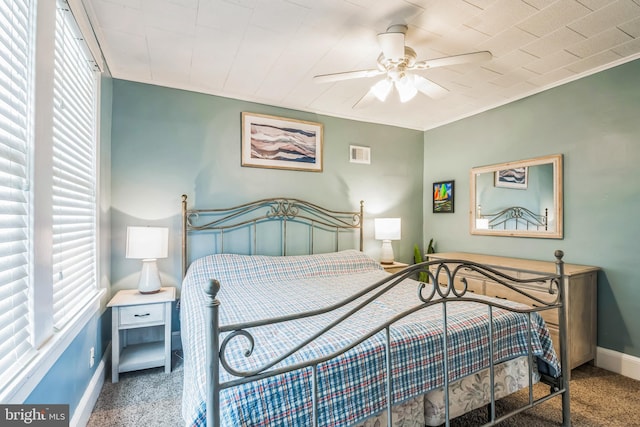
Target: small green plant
[
  {"x": 417, "y": 257},
  {"x": 431, "y": 248}
]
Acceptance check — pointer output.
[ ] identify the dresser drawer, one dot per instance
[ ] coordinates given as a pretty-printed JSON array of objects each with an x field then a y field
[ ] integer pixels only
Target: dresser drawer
[
  {"x": 141, "y": 314},
  {"x": 470, "y": 272},
  {"x": 499, "y": 291},
  {"x": 474, "y": 285}
]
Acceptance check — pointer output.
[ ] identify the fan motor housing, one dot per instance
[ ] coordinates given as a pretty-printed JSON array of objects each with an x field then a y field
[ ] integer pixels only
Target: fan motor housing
[{"x": 397, "y": 68}]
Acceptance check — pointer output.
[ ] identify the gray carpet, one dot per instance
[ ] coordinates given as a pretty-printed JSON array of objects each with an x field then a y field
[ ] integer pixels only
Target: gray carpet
[
  {"x": 151, "y": 398},
  {"x": 598, "y": 398},
  {"x": 147, "y": 398}
]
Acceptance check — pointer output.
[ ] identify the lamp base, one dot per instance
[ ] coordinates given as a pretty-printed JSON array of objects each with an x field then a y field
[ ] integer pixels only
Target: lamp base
[
  {"x": 149, "y": 282},
  {"x": 386, "y": 257}
]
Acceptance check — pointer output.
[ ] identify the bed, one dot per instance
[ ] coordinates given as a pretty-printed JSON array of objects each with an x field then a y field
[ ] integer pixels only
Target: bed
[{"x": 307, "y": 338}]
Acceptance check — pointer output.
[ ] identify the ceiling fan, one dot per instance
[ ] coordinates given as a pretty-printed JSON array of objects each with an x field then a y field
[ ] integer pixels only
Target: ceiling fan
[{"x": 396, "y": 60}]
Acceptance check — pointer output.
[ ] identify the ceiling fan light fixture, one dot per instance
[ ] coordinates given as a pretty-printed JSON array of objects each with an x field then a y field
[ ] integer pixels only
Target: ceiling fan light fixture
[
  {"x": 382, "y": 89},
  {"x": 398, "y": 61},
  {"x": 406, "y": 89}
]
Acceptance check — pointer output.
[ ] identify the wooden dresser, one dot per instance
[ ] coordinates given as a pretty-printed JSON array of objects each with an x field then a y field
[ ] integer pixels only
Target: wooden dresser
[{"x": 580, "y": 287}]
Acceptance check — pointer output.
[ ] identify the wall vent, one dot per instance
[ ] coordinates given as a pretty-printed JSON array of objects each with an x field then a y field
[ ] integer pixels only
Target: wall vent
[{"x": 359, "y": 154}]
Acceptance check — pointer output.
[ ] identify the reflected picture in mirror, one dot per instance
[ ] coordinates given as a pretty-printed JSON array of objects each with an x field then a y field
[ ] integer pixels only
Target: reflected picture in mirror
[
  {"x": 512, "y": 178},
  {"x": 518, "y": 199}
]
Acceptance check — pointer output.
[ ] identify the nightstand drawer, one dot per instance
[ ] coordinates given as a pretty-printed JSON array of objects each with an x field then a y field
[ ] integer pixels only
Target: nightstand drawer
[{"x": 139, "y": 314}]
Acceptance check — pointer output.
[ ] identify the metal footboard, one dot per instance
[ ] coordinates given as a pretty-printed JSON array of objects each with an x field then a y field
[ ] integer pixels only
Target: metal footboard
[{"x": 439, "y": 290}]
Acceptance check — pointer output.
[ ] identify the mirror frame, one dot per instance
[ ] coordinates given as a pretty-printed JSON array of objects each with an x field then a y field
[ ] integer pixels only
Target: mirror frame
[{"x": 556, "y": 161}]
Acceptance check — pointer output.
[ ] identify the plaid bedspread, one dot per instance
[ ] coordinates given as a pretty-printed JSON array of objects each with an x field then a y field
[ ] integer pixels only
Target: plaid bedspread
[{"x": 351, "y": 387}]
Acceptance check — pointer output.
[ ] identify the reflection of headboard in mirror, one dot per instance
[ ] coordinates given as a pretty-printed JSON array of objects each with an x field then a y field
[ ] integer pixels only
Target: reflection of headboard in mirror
[
  {"x": 520, "y": 199},
  {"x": 513, "y": 218}
]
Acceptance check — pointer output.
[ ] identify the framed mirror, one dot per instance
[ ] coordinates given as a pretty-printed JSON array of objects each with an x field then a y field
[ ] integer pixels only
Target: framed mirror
[{"x": 519, "y": 199}]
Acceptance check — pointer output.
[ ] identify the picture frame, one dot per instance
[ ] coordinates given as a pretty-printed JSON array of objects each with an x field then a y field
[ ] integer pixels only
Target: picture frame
[
  {"x": 443, "y": 196},
  {"x": 281, "y": 143},
  {"x": 512, "y": 178}
]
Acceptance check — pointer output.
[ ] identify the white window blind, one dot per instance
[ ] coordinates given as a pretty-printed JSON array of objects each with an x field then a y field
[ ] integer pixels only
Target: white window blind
[
  {"x": 74, "y": 173},
  {"x": 16, "y": 47}
]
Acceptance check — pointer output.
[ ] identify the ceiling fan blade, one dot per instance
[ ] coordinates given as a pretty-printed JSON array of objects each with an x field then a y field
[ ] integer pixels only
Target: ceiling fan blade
[
  {"x": 366, "y": 100},
  {"x": 392, "y": 45},
  {"x": 429, "y": 88},
  {"x": 464, "y": 58},
  {"x": 357, "y": 74}
]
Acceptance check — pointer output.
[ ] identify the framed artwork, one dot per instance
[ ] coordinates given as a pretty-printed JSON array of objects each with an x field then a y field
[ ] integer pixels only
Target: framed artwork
[
  {"x": 443, "y": 193},
  {"x": 280, "y": 143},
  {"x": 512, "y": 178}
]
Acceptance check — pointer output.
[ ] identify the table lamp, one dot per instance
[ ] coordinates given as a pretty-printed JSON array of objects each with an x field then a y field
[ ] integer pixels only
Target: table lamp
[
  {"x": 387, "y": 229},
  {"x": 148, "y": 244}
]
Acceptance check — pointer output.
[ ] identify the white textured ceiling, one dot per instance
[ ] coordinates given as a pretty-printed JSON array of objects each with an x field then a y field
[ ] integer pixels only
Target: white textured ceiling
[{"x": 267, "y": 51}]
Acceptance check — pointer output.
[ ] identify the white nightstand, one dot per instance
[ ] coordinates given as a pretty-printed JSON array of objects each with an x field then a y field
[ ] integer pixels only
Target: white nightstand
[
  {"x": 395, "y": 267},
  {"x": 130, "y": 310}
]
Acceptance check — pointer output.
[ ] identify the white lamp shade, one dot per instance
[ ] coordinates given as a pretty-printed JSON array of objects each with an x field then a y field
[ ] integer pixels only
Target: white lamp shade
[
  {"x": 406, "y": 89},
  {"x": 387, "y": 228},
  {"x": 147, "y": 242},
  {"x": 382, "y": 89}
]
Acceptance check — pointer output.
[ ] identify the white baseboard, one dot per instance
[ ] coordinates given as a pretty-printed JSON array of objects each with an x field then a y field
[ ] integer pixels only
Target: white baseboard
[
  {"x": 617, "y": 362},
  {"x": 90, "y": 397}
]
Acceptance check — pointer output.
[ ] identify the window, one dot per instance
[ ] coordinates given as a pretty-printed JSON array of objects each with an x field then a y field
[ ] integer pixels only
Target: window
[
  {"x": 48, "y": 186},
  {"x": 74, "y": 177},
  {"x": 16, "y": 47}
]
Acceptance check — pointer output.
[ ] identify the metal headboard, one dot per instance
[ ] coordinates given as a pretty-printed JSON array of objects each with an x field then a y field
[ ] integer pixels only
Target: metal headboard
[
  {"x": 517, "y": 216},
  {"x": 278, "y": 209}
]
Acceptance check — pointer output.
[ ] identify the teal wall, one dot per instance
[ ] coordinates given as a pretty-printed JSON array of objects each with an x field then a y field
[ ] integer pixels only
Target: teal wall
[
  {"x": 166, "y": 142},
  {"x": 68, "y": 378},
  {"x": 595, "y": 123}
]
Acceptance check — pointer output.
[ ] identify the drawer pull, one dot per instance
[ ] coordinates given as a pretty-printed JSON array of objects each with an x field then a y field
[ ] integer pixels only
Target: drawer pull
[
  {"x": 142, "y": 315},
  {"x": 499, "y": 297}
]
